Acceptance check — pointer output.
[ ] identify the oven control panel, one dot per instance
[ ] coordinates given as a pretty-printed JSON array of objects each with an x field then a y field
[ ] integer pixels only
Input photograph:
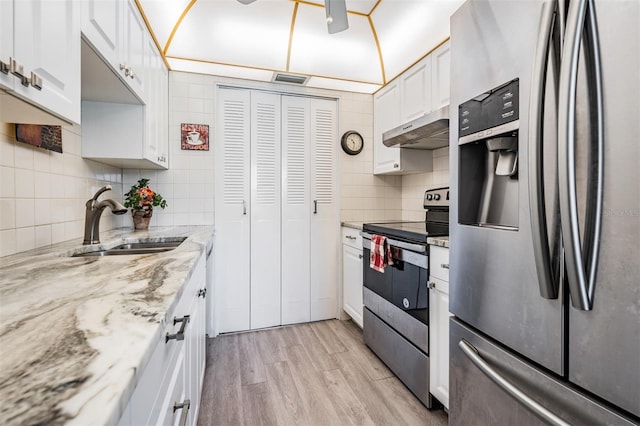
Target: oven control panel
[{"x": 437, "y": 197}]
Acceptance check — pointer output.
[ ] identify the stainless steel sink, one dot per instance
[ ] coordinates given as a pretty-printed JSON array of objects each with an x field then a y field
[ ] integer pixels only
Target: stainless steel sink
[{"x": 143, "y": 247}]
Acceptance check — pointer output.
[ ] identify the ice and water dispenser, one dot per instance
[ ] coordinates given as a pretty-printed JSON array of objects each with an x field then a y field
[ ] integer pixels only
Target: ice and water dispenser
[{"x": 488, "y": 158}]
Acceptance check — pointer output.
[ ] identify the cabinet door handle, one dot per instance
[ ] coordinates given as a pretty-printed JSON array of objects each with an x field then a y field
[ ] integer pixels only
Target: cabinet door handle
[
  {"x": 431, "y": 284},
  {"x": 202, "y": 293},
  {"x": 396, "y": 165},
  {"x": 315, "y": 206},
  {"x": 444, "y": 265},
  {"x": 359, "y": 256},
  {"x": 180, "y": 334},
  {"x": 185, "y": 411},
  {"x": 4, "y": 67},
  {"x": 244, "y": 207},
  {"x": 131, "y": 73},
  {"x": 16, "y": 69},
  {"x": 36, "y": 81}
]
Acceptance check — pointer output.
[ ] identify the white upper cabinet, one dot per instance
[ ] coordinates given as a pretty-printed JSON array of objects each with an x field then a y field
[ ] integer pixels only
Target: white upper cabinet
[
  {"x": 420, "y": 90},
  {"x": 441, "y": 65},
  {"x": 386, "y": 115},
  {"x": 117, "y": 32},
  {"x": 415, "y": 91},
  {"x": 41, "y": 55}
]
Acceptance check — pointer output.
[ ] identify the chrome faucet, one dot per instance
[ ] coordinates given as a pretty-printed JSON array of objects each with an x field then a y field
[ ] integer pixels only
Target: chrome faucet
[{"x": 93, "y": 213}]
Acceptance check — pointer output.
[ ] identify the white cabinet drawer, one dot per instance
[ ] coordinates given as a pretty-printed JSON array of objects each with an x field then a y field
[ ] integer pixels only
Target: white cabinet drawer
[
  {"x": 351, "y": 237},
  {"x": 439, "y": 262}
]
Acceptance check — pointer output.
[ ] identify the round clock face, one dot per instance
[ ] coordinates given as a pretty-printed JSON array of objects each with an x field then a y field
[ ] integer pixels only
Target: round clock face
[{"x": 352, "y": 142}]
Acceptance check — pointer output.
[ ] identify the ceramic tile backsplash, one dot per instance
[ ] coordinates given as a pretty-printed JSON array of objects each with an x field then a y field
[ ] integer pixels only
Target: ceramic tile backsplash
[
  {"x": 43, "y": 193},
  {"x": 413, "y": 186},
  {"x": 188, "y": 185}
]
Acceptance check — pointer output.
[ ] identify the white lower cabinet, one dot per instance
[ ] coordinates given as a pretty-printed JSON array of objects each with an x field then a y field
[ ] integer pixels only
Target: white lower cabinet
[
  {"x": 175, "y": 372},
  {"x": 277, "y": 229},
  {"x": 439, "y": 323},
  {"x": 352, "y": 274}
]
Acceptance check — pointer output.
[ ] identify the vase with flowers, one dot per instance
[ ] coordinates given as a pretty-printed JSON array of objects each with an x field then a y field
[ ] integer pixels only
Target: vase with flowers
[{"x": 141, "y": 200}]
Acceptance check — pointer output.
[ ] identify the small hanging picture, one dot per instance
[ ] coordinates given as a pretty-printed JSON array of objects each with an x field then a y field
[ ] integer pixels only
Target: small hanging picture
[
  {"x": 47, "y": 137},
  {"x": 194, "y": 137}
]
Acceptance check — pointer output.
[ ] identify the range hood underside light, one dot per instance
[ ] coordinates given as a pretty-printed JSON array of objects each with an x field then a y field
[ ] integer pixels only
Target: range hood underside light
[{"x": 430, "y": 131}]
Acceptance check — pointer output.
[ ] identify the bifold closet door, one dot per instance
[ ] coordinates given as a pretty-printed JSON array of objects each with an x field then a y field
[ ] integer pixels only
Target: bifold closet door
[
  {"x": 324, "y": 225},
  {"x": 265, "y": 209},
  {"x": 233, "y": 210},
  {"x": 296, "y": 211}
]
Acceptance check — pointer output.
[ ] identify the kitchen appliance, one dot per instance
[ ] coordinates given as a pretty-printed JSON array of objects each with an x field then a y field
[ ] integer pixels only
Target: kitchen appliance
[
  {"x": 396, "y": 301},
  {"x": 431, "y": 131},
  {"x": 545, "y": 217}
]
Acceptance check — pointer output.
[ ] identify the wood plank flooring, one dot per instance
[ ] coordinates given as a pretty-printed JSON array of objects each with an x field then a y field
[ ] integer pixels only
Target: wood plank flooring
[{"x": 308, "y": 374}]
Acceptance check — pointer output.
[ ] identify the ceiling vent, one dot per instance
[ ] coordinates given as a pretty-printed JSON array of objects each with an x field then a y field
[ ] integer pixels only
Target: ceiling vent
[{"x": 298, "y": 80}]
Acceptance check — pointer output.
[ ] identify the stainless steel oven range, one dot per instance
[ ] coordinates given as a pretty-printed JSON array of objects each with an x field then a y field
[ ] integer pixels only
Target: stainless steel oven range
[{"x": 396, "y": 301}]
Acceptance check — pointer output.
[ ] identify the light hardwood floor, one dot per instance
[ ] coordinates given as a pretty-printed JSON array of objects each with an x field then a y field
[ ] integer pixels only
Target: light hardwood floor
[{"x": 309, "y": 374}]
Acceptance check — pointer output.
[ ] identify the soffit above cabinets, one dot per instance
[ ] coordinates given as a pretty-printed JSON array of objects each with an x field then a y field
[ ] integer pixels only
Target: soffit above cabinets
[{"x": 227, "y": 38}]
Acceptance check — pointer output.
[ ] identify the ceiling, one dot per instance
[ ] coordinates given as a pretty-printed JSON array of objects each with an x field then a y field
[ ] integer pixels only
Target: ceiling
[{"x": 227, "y": 38}]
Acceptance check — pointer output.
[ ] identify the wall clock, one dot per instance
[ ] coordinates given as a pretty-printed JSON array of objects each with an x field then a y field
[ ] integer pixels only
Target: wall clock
[{"x": 352, "y": 142}]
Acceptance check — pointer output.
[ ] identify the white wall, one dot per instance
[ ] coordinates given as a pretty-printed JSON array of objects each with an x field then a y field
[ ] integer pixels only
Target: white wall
[
  {"x": 43, "y": 193},
  {"x": 188, "y": 185}
]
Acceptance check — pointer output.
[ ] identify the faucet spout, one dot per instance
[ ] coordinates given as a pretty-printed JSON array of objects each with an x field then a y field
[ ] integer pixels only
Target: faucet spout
[{"x": 94, "y": 212}]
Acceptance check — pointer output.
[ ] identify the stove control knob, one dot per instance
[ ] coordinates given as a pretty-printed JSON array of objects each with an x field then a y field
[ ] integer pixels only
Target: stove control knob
[
  {"x": 436, "y": 197},
  {"x": 429, "y": 197},
  {"x": 405, "y": 303}
]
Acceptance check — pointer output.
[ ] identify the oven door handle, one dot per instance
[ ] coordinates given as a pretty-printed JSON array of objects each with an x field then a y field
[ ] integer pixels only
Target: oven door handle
[{"x": 418, "y": 248}]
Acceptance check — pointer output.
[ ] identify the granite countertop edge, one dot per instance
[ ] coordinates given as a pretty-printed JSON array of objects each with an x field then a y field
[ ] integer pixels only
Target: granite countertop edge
[
  {"x": 438, "y": 241},
  {"x": 103, "y": 394}
]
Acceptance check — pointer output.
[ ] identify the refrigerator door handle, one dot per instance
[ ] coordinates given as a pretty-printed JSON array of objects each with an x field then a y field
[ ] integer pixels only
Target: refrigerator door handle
[
  {"x": 595, "y": 196},
  {"x": 474, "y": 356},
  {"x": 567, "y": 157},
  {"x": 547, "y": 284}
]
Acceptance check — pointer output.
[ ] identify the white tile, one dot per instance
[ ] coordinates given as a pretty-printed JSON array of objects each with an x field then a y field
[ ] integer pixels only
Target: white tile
[
  {"x": 7, "y": 242},
  {"x": 58, "y": 207},
  {"x": 7, "y": 213},
  {"x": 181, "y": 219},
  {"x": 25, "y": 239},
  {"x": 23, "y": 156},
  {"x": 57, "y": 233},
  {"x": 25, "y": 214},
  {"x": 181, "y": 191},
  {"x": 42, "y": 211},
  {"x": 6, "y": 151},
  {"x": 43, "y": 235},
  {"x": 42, "y": 185},
  {"x": 24, "y": 183},
  {"x": 7, "y": 182},
  {"x": 74, "y": 230},
  {"x": 41, "y": 160}
]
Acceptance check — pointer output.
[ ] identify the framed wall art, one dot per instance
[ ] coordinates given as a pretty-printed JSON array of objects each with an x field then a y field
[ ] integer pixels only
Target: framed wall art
[{"x": 194, "y": 137}]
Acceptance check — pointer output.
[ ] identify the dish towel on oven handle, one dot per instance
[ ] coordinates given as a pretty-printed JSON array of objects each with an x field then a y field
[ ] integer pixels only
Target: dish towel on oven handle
[{"x": 380, "y": 253}]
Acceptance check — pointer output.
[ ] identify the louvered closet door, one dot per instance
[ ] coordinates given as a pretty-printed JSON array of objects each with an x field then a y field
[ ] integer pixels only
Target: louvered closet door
[
  {"x": 232, "y": 209},
  {"x": 324, "y": 219},
  {"x": 265, "y": 210},
  {"x": 295, "y": 210}
]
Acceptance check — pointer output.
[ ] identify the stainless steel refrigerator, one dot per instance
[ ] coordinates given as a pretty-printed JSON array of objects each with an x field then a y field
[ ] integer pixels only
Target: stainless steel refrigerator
[{"x": 545, "y": 212}]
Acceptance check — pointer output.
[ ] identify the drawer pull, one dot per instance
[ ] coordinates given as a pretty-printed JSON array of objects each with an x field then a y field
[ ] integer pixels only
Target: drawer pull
[
  {"x": 185, "y": 411},
  {"x": 202, "y": 293},
  {"x": 431, "y": 285},
  {"x": 350, "y": 237},
  {"x": 359, "y": 256},
  {"x": 444, "y": 265},
  {"x": 180, "y": 334}
]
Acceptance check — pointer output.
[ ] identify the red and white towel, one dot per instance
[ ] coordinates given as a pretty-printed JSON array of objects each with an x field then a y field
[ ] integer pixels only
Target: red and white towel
[{"x": 380, "y": 253}]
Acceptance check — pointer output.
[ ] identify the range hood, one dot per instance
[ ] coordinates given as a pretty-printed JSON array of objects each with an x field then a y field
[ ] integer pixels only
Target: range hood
[{"x": 431, "y": 131}]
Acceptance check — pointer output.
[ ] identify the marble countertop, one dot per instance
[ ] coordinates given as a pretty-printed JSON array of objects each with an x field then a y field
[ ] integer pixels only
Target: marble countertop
[
  {"x": 76, "y": 332},
  {"x": 438, "y": 241},
  {"x": 354, "y": 225}
]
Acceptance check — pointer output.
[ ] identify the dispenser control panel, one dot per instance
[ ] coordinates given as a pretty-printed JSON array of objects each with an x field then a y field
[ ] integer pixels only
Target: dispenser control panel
[{"x": 491, "y": 109}]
